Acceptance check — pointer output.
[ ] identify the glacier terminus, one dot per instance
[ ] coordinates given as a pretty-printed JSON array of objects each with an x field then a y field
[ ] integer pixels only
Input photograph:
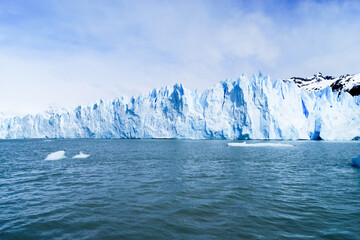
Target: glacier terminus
[{"x": 246, "y": 108}]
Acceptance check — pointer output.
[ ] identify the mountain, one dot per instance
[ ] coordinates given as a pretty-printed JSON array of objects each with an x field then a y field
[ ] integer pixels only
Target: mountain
[
  {"x": 347, "y": 83},
  {"x": 248, "y": 108}
]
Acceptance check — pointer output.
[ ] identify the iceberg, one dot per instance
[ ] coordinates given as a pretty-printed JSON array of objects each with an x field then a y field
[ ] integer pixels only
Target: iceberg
[
  {"x": 56, "y": 156},
  {"x": 81, "y": 155},
  {"x": 245, "y": 108}
]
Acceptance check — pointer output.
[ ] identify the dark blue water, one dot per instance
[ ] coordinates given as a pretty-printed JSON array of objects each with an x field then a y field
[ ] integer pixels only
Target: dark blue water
[{"x": 177, "y": 189}]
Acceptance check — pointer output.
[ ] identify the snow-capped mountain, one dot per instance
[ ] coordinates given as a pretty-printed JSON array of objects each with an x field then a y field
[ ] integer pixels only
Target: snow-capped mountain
[
  {"x": 346, "y": 83},
  {"x": 255, "y": 108}
]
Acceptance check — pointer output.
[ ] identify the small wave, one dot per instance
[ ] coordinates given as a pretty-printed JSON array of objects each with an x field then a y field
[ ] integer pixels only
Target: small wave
[
  {"x": 47, "y": 140},
  {"x": 356, "y": 162},
  {"x": 81, "y": 155},
  {"x": 56, "y": 155},
  {"x": 244, "y": 144}
]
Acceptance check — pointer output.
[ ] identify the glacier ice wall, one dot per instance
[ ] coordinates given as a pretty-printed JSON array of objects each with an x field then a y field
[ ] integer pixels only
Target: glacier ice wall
[{"x": 255, "y": 108}]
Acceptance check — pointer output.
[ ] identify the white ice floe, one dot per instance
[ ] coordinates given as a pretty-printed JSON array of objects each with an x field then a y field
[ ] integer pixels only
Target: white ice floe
[
  {"x": 81, "y": 155},
  {"x": 244, "y": 144},
  {"x": 56, "y": 155}
]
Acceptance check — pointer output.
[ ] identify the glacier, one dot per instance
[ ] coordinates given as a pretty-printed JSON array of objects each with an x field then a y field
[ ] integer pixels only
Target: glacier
[{"x": 246, "y": 108}]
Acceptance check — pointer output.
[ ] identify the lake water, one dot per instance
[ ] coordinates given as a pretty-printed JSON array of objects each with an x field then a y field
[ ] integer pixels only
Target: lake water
[{"x": 179, "y": 189}]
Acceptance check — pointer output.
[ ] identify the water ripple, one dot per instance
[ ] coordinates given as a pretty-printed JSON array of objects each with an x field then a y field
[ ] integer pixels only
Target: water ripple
[{"x": 161, "y": 189}]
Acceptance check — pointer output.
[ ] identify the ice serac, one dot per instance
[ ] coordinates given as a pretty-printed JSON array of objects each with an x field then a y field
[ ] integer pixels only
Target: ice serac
[{"x": 248, "y": 108}]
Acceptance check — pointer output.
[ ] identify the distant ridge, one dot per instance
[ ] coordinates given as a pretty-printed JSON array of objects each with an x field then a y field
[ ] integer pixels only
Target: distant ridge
[{"x": 347, "y": 83}]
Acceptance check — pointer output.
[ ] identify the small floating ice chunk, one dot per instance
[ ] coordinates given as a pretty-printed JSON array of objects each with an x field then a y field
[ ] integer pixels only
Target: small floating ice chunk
[
  {"x": 56, "y": 155},
  {"x": 356, "y": 162},
  {"x": 81, "y": 155},
  {"x": 244, "y": 144}
]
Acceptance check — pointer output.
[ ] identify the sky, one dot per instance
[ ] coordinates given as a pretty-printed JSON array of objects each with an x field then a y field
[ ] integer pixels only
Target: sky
[{"x": 65, "y": 53}]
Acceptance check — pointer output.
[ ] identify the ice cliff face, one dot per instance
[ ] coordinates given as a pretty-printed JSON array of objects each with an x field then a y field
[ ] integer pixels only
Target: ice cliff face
[{"x": 256, "y": 108}]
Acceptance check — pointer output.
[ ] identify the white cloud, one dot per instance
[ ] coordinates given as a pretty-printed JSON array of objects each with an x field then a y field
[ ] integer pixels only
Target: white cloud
[{"x": 75, "y": 52}]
